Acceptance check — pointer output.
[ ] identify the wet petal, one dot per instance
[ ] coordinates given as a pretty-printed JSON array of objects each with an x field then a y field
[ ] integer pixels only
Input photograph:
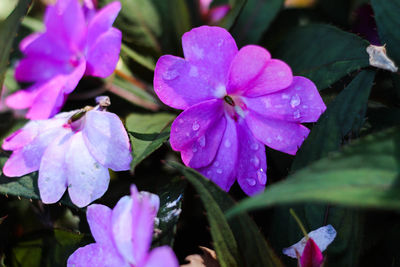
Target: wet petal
[
  {"x": 98, "y": 255},
  {"x": 211, "y": 50},
  {"x": 87, "y": 179},
  {"x": 99, "y": 220},
  {"x": 201, "y": 152},
  {"x": 300, "y": 102},
  {"x": 312, "y": 256},
  {"x": 222, "y": 170},
  {"x": 22, "y": 137},
  {"x": 52, "y": 171},
  {"x": 179, "y": 84},
  {"x": 106, "y": 138},
  {"x": 194, "y": 122},
  {"x": 251, "y": 169},
  {"x": 161, "y": 256},
  {"x": 103, "y": 55},
  {"x": 280, "y": 135},
  {"x": 247, "y": 64}
]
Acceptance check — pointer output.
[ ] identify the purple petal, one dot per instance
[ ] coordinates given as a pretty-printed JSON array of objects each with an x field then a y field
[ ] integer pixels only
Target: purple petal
[
  {"x": 211, "y": 50},
  {"x": 74, "y": 77},
  {"x": 107, "y": 140},
  {"x": 87, "y": 179},
  {"x": 161, "y": 256},
  {"x": 277, "y": 134},
  {"x": 252, "y": 164},
  {"x": 300, "y": 102},
  {"x": 312, "y": 255},
  {"x": 23, "y": 98},
  {"x": 222, "y": 170},
  {"x": 249, "y": 62},
  {"x": 194, "y": 123},
  {"x": 102, "y": 22},
  {"x": 52, "y": 171},
  {"x": 98, "y": 255},
  {"x": 103, "y": 55},
  {"x": 25, "y": 42},
  {"x": 179, "y": 84},
  {"x": 99, "y": 220},
  {"x": 217, "y": 13},
  {"x": 202, "y": 152},
  {"x": 276, "y": 76},
  {"x": 22, "y": 137}
]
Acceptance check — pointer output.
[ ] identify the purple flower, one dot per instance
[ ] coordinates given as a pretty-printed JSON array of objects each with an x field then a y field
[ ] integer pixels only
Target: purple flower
[
  {"x": 72, "y": 46},
  {"x": 234, "y": 102},
  {"x": 214, "y": 14},
  {"x": 72, "y": 150},
  {"x": 123, "y": 235}
]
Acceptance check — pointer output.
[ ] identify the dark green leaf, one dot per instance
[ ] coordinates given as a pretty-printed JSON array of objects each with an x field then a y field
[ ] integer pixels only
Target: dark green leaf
[
  {"x": 145, "y": 61},
  {"x": 323, "y": 53},
  {"x": 148, "y": 132},
  {"x": 236, "y": 8},
  {"x": 251, "y": 244}
]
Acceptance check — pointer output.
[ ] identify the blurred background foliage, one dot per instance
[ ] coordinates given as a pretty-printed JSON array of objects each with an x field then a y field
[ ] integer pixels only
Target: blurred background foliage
[{"x": 345, "y": 174}]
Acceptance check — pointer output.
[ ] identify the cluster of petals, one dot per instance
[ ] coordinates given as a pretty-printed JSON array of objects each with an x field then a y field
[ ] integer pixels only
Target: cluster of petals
[
  {"x": 212, "y": 14},
  {"x": 309, "y": 249},
  {"x": 77, "y": 41},
  {"x": 234, "y": 102},
  {"x": 71, "y": 150},
  {"x": 123, "y": 235}
]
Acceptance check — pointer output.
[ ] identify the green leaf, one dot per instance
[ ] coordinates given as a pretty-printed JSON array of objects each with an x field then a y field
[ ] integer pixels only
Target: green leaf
[
  {"x": 147, "y": 132},
  {"x": 145, "y": 61},
  {"x": 253, "y": 248},
  {"x": 323, "y": 53},
  {"x": 230, "y": 18},
  {"x": 8, "y": 30},
  {"x": 254, "y": 20},
  {"x": 344, "y": 114},
  {"x": 364, "y": 174}
]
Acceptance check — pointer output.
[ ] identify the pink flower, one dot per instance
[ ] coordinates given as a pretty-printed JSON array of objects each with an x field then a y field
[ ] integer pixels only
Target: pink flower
[
  {"x": 234, "y": 103},
  {"x": 123, "y": 235},
  {"x": 72, "y": 46},
  {"x": 212, "y": 15},
  {"x": 72, "y": 150}
]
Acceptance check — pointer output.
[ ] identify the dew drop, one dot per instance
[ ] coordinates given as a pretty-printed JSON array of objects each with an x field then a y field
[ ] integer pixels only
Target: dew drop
[
  {"x": 296, "y": 114},
  {"x": 279, "y": 138},
  {"x": 187, "y": 134},
  {"x": 262, "y": 178},
  {"x": 216, "y": 164},
  {"x": 295, "y": 101},
  {"x": 227, "y": 143},
  {"x": 251, "y": 181},
  {"x": 285, "y": 96},
  {"x": 181, "y": 121},
  {"x": 209, "y": 173},
  {"x": 269, "y": 140},
  {"x": 255, "y": 161},
  {"x": 202, "y": 141},
  {"x": 219, "y": 171},
  {"x": 195, "y": 126},
  {"x": 170, "y": 74},
  {"x": 194, "y": 149},
  {"x": 176, "y": 129},
  {"x": 254, "y": 146},
  {"x": 193, "y": 72}
]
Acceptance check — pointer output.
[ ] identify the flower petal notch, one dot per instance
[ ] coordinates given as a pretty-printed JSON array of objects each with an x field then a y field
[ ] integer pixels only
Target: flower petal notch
[
  {"x": 56, "y": 59},
  {"x": 73, "y": 151},
  {"x": 234, "y": 102},
  {"x": 123, "y": 235}
]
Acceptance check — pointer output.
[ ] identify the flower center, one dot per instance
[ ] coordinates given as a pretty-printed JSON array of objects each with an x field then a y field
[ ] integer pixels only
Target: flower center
[{"x": 235, "y": 107}]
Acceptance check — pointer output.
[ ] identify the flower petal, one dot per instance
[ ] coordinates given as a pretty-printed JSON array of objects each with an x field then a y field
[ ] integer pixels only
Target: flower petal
[
  {"x": 23, "y": 98},
  {"x": 300, "y": 102},
  {"x": 161, "y": 256},
  {"x": 103, "y": 55},
  {"x": 87, "y": 179},
  {"x": 312, "y": 256},
  {"x": 52, "y": 180},
  {"x": 179, "y": 84},
  {"x": 107, "y": 140},
  {"x": 194, "y": 122},
  {"x": 22, "y": 137},
  {"x": 277, "y": 134},
  {"x": 251, "y": 165},
  {"x": 211, "y": 50},
  {"x": 248, "y": 63},
  {"x": 222, "y": 169},
  {"x": 202, "y": 152},
  {"x": 96, "y": 255},
  {"x": 99, "y": 220},
  {"x": 276, "y": 76}
]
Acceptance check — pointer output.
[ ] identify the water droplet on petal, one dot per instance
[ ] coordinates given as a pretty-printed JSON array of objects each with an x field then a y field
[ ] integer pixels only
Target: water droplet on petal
[
  {"x": 216, "y": 164},
  {"x": 261, "y": 176},
  {"x": 209, "y": 173},
  {"x": 269, "y": 140},
  {"x": 227, "y": 143},
  {"x": 285, "y": 96},
  {"x": 181, "y": 121},
  {"x": 296, "y": 114},
  {"x": 202, "y": 141},
  {"x": 295, "y": 101},
  {"x": 219, "y": 171},
  {"x": 254, "y": 146},
  {"x": 176, "y": 129},
  {"x": 279, "y": 138},
  {"x": 194, "y": 149},
  {"x": 195, "y": 126},
  {"x": 251, "y": 181},
  {"x": 170, "y": 74},
  {"x": 193, "y": 72},
  {"x": 255, "y": 161}
]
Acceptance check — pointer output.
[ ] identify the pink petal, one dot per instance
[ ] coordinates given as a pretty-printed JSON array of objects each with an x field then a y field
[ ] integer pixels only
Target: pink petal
[
  {"x": 202, "y": 151},
  {"x": 211, "y": 50},
  {"x": 99, "y": 255},
  {"x": 194, "y": 122},
  {"x": 107, "y": 140},
  {"x": 280, "y": 135},
  {"x": 276, "y": 76},
  {"x": 103, "y": 55},
  {"x": 179, "y": 84},
  {"x": 99, "y": 220},
  {"x": 102, "y": 22},
  {"x": 248, "y": 63},
  {"x": 161, "y": 256},
  {"x": 222, "y": 170},
  {"x": 22, "y": 137},
  {"x": 252, "y": 165},
  {"x": 300, "y": 102},
  {"x": 87, "y": 179},
  {"x": 217, "y": 13},
  {"x": 23, "y": 98},
  {"x": 52, "y": 172},
  {"x": 312, "y": 256},
  {"x": 73, "y": 78}
]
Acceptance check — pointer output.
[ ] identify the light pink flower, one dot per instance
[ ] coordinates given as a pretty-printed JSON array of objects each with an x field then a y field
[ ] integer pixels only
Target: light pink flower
[{"x": 214, "y": 14}]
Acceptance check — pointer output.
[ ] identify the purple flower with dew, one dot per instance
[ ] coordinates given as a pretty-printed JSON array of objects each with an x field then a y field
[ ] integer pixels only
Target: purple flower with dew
[
  {"x": 72, "y": 150},
  {"x": 123, "y": 235},
  {"x": 234, "y": 103},
  {"x": 76, "y": 42}
]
